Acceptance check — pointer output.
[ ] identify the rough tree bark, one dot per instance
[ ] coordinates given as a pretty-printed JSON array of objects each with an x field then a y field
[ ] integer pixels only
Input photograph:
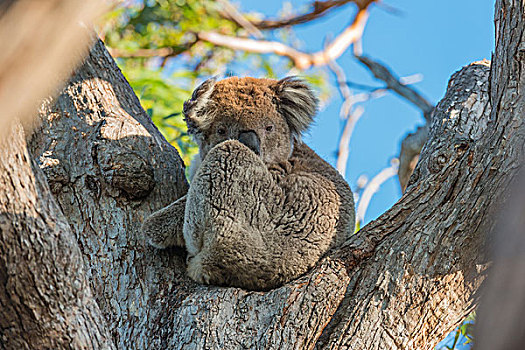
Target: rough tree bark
[
  {"x": 109, "y": 167},
  {"x": 402, "y": 282},
  {"x": 45, "y": 297},
  {"x": 501, "y": 322}
]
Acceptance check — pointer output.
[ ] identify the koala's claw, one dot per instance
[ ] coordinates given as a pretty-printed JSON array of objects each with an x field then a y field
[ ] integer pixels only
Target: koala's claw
[{"x": 196, "y": 270}]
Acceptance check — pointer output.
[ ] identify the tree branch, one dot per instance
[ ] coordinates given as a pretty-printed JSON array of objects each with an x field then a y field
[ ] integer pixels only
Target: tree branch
[
  {"x": 46, "y": 298},
  {"x": 320, "y": 8},
  {"x": 392, "y": 83},
  {"x": 403, "y": 282},
  {"x": 348, "y": 113},
  {"x": 230, "y": 12},
  {"x": 300, "y": 59},
  {"x": 411, "y": 235},
  {"x": 350, "y": 118},
  {"x": 410, "y": 276},
  {"x": 500, "y": 323},
  {"x": 165, "y": 52},
  {"x": 409, "y": 154},
  {"x": 395, "y": 270},
  {"x": 98, "y": 148},
  {"x": 412, "y": 144},
  {"x": 161, "y": 52},
  {"x": 344, "y": 141}
]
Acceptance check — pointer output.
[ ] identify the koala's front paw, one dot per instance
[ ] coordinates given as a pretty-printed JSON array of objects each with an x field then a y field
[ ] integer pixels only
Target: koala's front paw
[
  {"x": 163, "y": 228},
  {"x": 196, "y": 270},
  {"x": 155, "y": 235}
]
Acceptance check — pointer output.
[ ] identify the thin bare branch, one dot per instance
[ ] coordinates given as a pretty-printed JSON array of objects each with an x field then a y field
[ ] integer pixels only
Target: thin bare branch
[
  {"x": 161, "y": 52},
  {"x": 342, "y": 85},
  {"x": 392, "y": 82},
  {"x": 390, "y": 9},
  {"x": 372, "y": 187},
  {"x": 230, "y": 12},
  {"x": 320, "y": 8},
  {"x": 412, "y": 144},
  {"x": 367, "y": 96},
  {"x": 165, "y": 52},
  {"x": 348, "y": 113},
  {"x": 350, "y": 117},
  {"x": 411, "y": 79},
  {"x": 344, "y": 141},
  {"x": 300, "y": 59},
  {"x": 359, "y": 86}
]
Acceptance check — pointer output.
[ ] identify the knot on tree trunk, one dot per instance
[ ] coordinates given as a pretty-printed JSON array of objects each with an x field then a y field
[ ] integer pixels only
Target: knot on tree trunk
[{"x": 126, "y": 171}]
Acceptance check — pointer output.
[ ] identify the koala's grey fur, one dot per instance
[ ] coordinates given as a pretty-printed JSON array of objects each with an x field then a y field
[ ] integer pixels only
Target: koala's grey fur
[{"x": 260, "y": 211}]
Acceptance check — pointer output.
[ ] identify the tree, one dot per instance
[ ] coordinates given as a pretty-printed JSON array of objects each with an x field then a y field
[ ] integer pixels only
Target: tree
[
  {"x": 404, "y": 281},
  {"x": 163, "y": 47}
]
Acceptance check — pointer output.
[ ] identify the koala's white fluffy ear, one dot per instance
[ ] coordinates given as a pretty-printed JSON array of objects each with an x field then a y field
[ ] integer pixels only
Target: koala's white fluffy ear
[
  {"x": 195, "y": 120},
  {"x": 297, "y": 103}
]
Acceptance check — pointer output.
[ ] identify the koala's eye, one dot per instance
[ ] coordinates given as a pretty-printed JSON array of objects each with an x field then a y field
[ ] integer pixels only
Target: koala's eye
[
  {"x": 221, "y": 131},
  {"x": 269, "y": 128}
]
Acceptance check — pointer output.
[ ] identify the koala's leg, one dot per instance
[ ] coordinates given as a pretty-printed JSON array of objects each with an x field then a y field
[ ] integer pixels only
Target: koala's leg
[
  {"x": 163, "y": 228},
  {"x": 237, "y": 256},
  {"x": 228, "y": 221}
]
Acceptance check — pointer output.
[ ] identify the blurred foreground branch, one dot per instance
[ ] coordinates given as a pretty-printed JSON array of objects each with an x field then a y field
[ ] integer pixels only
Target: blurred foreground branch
[
  {"x": 32, "y": 65},
  {"x": 501, "y": 322}
]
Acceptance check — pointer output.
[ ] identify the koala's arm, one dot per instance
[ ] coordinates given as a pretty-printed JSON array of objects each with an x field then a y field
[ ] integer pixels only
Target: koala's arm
[{"x": 163, "y": 228}]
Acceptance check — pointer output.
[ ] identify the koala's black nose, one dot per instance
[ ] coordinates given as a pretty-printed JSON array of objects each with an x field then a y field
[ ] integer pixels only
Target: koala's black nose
[{"x": 250, "y": 139}]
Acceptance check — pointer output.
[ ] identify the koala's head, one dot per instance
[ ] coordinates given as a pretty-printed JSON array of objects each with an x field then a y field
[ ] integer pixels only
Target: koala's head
[{"x": 264, "y": 114}]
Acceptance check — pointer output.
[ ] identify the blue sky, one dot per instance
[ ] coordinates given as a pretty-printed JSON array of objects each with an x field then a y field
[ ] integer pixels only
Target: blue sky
[{"x": 432, "y": 38}]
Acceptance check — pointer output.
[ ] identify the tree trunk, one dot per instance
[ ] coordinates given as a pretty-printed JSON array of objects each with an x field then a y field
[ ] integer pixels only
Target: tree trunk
[
  {"x": 45, "y": 297},
  {"x": 402, "y": 282},
  {"x": 501, "y": 322},
  {"x": 109, "y": 168}
]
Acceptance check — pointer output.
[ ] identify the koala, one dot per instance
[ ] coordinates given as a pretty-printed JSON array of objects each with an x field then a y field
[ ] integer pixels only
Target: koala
[{"x": 262, "y": 207}]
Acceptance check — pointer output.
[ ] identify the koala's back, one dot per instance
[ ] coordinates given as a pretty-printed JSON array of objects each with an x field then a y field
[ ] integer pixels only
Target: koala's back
[
  {"x": 340, "y": 197},
  {"x": 318, "y": 211}
]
